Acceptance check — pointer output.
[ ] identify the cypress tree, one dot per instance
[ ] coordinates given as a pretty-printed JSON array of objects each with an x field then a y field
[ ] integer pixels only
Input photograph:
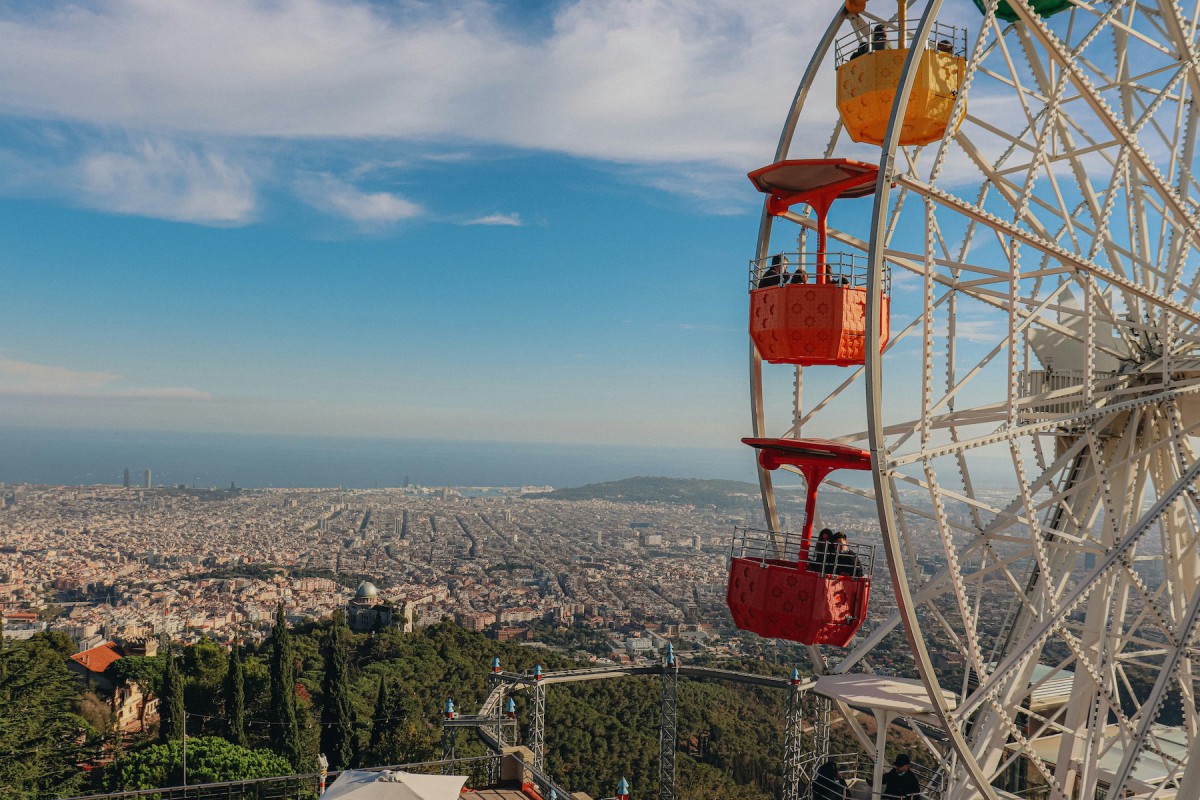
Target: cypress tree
[
  {"x": 285, "y": 731},
  {"x": 337, "y": 714},
  {"x": 235, "y": 698},
  {"x": 381, "y": 722},
  {"x": 171, "y": 709}
]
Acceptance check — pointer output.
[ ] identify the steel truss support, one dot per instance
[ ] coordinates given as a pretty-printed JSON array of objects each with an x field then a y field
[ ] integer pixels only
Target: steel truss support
[
  {"x": 537, "y": 732},
  {"x": 668, "y": 729},
  {"x": 500, "y": 730},
  {"x": 449, "y": 742},
  {"x": 793, "y": 748}
]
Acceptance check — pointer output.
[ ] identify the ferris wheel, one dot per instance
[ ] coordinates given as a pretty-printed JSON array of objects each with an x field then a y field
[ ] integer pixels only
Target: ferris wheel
[{"x": 981, "y": 288}]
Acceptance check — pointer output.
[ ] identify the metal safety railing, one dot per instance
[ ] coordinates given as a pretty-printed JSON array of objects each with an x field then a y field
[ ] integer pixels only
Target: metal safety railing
[
  {"x": 942, "y": 38},
  {"x": 304, "y": 786},
  {"x": 1046, "y": 394},
  {"x": 849, "y": 560},
  {"x": 786, "y": 269},
  {"x": 546, "y": 788},
  {"x": 858, "y": 771}
]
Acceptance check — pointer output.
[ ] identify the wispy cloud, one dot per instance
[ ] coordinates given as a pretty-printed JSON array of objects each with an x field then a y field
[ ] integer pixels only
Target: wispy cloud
[
  {"x": 367, "y": 209},
  {"x": 155, "y": 177},
  {"x": 512, "y": 220},
  {"x": 25, "y": 379}
]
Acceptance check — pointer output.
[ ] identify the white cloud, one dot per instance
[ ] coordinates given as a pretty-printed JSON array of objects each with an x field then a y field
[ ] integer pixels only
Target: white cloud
[
  {"x": 511, "y": 220},
  {"x": 24, "y": 379},
  {"x": 367, "y": 209},
  {"x": 159, "y": 178},
  {"x": 628, "y": 80}
]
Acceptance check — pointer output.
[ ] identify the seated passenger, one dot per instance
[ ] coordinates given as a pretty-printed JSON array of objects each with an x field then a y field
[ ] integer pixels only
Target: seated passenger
[
  {"x": 944, "y": 46},
  {"x": 774, "y": 274},
  {"x": 820, "y": 558},
  {"x": 799, "y": 276},
  {"x": 846, "y": 563},
  {"x": 862, "y": 49},
  {"x": 879, "y": 38}
]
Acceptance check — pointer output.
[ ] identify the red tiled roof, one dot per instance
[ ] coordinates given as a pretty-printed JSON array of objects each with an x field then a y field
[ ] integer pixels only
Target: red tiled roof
[{"x": 97, "y": 658}]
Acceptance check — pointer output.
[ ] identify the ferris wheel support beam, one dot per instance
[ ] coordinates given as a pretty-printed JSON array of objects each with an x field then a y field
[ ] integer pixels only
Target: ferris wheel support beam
[
  {"x": 874, "y": 386},
  {"x": 1049, "y": 248},
  {"x": 1087, "y": 92},
  {"x": 1068, "y": 604}
]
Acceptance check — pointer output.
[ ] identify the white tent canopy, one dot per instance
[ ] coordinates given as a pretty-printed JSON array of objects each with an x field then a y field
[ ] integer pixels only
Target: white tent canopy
[{"x": 359, "y": 784}]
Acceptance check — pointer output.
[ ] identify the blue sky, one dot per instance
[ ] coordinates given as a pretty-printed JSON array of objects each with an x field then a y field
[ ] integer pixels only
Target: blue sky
[{"x": 506, "y": 221}]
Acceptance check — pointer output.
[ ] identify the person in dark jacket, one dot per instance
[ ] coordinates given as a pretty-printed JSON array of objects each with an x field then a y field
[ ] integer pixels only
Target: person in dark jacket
[
  {"x": 845, "y": 562},
  {"x": 899, "y": 782},
  {"x": 879, "y": 38},
  {"x": 828, "y": 784},
  {"x": 774, "y": 275},
  {"x": 820, "y": 558}
]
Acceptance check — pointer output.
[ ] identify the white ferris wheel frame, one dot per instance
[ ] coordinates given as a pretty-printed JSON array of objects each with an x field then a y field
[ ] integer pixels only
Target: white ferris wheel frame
[{"x": 974, "y": 770}]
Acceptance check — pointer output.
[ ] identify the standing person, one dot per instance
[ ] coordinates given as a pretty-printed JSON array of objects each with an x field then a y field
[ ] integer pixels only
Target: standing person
[
  {"x": 821, "y": 556},
  {"x": 828, "y": 784},
  {"x": 899, "y": 782},
  {"x": 846, "y": 562}
]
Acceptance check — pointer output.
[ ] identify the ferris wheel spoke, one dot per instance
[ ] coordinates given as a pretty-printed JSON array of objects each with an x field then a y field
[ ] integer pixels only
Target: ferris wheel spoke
[
  {"x": 1104, "y": 113},
  {"x": 1049, "y": 248}
]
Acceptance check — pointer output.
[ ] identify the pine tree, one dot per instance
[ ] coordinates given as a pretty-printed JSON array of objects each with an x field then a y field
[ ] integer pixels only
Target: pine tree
[
  {"x": 285, "y": 731},
  {"x": 337, "y": 714},
  {"x": 235, "y": 698},
  {"x": 381, "y": 722},
  {"x": 172, "y": 723}
]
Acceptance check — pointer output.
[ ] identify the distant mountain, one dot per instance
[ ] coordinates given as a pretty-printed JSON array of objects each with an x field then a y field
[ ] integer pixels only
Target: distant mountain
[{"x": 661, "y": 490}]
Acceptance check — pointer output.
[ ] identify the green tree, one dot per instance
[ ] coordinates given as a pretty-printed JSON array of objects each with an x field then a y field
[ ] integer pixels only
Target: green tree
[
  {"x": 285, "y": 730},
  {"x": 210, "y": 759},
  {"x": 337, "y": 714},
  {"x": 172, "y": 713},
  {"x": 235, "y": 698},
  {"x": 382, "y": 723},
  {"x": 42, "y": 738}
]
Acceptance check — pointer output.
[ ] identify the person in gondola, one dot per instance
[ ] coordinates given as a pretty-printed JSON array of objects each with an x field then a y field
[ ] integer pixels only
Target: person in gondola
[
  {"x": 800, "y": 275},
  {"x": 822, "y": 554},
  {"x": 828, "y": 783},
  {"x": 879, "y": 38},
  {"x": 899, "y": 782},
  {"x": 774, "y": 274},
  {"x": 846, "y": 563}
]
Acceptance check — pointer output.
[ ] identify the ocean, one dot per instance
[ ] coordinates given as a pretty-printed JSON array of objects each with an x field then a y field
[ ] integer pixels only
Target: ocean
[{"x": 85, "y": 457}]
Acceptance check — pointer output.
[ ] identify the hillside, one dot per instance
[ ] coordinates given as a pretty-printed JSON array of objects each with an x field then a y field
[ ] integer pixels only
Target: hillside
[
  {"x": 730, "y": 737},
  {"x": 661, "y": 490}
]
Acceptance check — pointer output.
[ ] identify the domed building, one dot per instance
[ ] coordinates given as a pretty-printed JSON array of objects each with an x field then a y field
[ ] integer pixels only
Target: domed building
[{"x": 367, "y": 612}]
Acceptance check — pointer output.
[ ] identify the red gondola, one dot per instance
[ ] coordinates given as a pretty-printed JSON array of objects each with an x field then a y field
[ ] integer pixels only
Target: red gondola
[
  {"x": 816, "y": 313},
  {"x": 775, "y": 588}
]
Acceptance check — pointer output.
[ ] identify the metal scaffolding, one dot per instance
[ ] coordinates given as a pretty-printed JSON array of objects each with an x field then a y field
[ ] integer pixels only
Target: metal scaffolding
[
  {"x": 668, "y": 727},
  {"x": 793, "y": 747},
  {"x": 449, "y": 741},
  {"x": 537, "y": 733}
]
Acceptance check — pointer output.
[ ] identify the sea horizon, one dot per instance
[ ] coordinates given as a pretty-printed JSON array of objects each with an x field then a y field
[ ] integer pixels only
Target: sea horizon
[{"x": 83, "y": 457}]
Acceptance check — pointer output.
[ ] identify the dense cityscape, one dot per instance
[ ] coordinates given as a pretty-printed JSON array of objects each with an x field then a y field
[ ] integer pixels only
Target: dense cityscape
[{"x": 108, "y": 563}]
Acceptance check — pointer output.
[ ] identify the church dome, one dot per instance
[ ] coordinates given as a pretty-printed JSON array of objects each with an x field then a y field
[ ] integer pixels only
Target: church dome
[{"x": 366, "y": 589}]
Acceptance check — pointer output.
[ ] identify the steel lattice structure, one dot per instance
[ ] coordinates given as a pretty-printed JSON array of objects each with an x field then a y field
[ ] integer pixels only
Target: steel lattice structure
[
  {"x": 537, "y": 726},
  {"x": 668, "y": 729},
  {"x": 1035, "y": 474}
]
